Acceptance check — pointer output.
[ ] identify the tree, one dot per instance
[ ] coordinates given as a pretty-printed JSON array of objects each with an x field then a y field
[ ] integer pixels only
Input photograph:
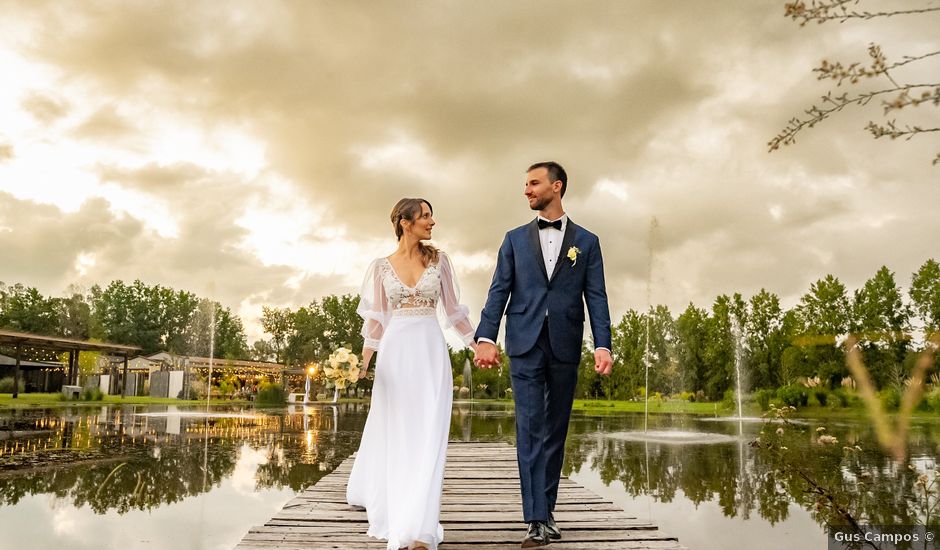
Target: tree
[
  {"x": 925, "y": 296},
  {"x": 720, "y": 344},
  {"x": 824, "y": 312},
  {"x": 628, "y": 343},
  {"x": 279, "y": 323},
  {"x": 262, "y": 350},
  {"x": 323, "y": 326},
  {"x": 24, "y": 309},
  {"x": 881, "y": 321},
  {"x": 765, "y": 339},
  {"x": 74, "y": 315},
  {"x": 691, "y": 335},
  {"x": 230, "y": 342},
  {"x": 664, "y": 367},
  {"x": 895, "y": 94}
]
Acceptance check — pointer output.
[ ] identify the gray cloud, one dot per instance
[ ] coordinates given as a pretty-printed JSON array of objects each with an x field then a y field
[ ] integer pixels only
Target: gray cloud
[
  {"x": 46, "y": 108},
  {"x": 359, "y": 105},
  {"x": 106, "y": 124}
]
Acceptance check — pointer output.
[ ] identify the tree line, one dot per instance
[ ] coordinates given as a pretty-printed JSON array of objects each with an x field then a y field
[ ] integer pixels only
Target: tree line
[
  {"x": 155, "y": 318},
  {"x": 696, "y": 351},
  {"x": 693, "y": 352}
]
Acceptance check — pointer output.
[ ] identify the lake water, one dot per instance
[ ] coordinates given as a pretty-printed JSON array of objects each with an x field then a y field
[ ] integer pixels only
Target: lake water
[{"x": 147, "y": 477}]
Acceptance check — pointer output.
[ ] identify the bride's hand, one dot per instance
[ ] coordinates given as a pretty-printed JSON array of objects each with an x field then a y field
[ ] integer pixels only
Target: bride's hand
[{"x": 363, "y": 373}]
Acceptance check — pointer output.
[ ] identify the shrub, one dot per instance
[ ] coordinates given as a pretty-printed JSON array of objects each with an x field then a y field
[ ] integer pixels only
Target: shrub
[
  {"x": 729, "y": 401},
  {"x": 793, "y": 395},
  {"x": 686, "y": 396},
  {"x": 841, "y": 396},
  {"x": 933, "y": 400},
  {"x": 92, "y": 394},
  {"x": 270, "y": 393},
  {"x": 6, "y": 385},
  {"x": 763, "y": 398},
  {"x": 890, "y": 398},
  {"x": 821, "y": 395}
]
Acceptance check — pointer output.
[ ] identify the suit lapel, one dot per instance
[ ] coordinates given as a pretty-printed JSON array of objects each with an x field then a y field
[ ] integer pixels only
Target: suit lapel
[
  {"x": 566, "y": 242},
  {"x": 533, "y": 231}
]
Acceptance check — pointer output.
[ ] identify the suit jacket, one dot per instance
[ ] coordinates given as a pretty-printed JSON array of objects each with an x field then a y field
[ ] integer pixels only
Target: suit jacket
[{"x": 520, "y": 279}]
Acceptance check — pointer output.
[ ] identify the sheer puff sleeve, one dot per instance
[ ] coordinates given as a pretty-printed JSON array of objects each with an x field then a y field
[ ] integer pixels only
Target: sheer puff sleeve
[
  {"x": 456, "y": 315},
  {"x": 373, "y": 307}
]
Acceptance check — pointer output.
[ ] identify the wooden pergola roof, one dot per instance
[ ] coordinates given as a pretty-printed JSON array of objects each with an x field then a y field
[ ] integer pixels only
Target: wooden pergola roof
[
  {"x": 12, "y": 338},
  {"x": 236, "y": 363}
]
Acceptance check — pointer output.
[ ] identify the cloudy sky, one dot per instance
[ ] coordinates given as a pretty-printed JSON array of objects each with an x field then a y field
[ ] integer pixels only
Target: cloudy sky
[{"x": 252, "y": 150}]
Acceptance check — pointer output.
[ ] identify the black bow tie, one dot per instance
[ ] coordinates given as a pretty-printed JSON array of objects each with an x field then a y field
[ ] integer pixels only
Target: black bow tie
[{"x": 545, "y": 223}]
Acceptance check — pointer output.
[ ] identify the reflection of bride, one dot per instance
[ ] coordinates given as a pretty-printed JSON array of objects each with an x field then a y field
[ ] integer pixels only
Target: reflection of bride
[{"x": 399, "y": 471}]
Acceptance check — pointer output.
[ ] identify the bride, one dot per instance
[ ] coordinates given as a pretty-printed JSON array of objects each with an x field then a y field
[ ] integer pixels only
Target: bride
[{"x": 399, "y": 471}]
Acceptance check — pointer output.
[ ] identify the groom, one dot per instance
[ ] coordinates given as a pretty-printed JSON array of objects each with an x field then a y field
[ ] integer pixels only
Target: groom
[{"x": 546, "y": 270}]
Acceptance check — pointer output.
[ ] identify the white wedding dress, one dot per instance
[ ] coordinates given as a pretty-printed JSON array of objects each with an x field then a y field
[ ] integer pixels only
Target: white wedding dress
[{"x": 398, "y": 473}]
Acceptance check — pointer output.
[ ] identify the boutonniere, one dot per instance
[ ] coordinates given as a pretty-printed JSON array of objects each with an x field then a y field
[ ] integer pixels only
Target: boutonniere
[{"x": 573, "y": 255}]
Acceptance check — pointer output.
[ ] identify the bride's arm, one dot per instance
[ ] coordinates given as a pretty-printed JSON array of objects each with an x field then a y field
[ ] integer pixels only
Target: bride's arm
[
  {"x": 375, "y": 312},
  {"x": 457, "y": 314},
  {"x": 366, "y": 359}
]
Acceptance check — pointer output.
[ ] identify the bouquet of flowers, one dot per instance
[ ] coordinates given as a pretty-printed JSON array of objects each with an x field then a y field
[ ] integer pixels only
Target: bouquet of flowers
[{"x": 343, "y": 369}]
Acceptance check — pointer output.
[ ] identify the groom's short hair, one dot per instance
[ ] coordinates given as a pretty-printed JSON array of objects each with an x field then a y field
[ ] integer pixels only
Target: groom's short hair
[{"x": 555, "y": 172}]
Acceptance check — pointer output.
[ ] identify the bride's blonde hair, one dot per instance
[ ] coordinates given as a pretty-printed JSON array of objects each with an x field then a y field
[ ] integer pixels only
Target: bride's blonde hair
[{"x": 409, "y": 209}]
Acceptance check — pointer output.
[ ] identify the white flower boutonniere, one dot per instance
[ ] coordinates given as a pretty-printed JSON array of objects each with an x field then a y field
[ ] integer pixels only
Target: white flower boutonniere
[{"x": 573, "y": 255}]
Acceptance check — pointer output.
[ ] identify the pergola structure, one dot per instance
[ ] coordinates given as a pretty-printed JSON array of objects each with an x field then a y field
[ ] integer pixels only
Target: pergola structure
[{"x": 21, "y": 340}]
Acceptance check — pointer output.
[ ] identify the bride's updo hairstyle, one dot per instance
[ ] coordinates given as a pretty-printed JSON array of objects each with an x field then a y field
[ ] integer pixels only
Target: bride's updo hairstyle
[{"x": 410, "y": 209}]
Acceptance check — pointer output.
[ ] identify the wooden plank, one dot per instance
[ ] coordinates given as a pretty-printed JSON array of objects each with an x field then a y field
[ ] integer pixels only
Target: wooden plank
[{"x": 481, "y": 509}]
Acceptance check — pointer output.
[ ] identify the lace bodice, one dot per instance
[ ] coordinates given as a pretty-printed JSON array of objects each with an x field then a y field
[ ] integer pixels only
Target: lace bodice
[
  {"x": 425, "y": 294},
  {"x": 384, "y": 295}
]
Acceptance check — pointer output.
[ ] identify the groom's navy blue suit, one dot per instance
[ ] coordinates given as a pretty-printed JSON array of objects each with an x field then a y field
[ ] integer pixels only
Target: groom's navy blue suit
[{"x": 544, "y": 331}]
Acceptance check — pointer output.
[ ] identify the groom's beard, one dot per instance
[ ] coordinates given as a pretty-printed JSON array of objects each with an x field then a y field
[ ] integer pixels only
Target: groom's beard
[{"x": 539, "y": 205}]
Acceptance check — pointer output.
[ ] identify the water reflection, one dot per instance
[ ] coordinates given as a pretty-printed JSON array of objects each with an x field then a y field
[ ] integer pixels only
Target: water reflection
[{"x": 115, "y": 461}]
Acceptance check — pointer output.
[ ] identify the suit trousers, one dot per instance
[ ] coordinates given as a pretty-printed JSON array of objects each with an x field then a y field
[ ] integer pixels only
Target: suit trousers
[{"x": 543, "y": 389}]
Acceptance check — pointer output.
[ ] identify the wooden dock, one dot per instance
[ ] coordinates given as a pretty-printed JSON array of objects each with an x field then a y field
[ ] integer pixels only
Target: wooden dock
[{"x": 481, "y": 510}]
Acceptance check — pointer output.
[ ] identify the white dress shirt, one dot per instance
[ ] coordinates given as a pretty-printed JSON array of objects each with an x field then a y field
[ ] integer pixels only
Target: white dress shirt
[{"x": 550, "y": 239}]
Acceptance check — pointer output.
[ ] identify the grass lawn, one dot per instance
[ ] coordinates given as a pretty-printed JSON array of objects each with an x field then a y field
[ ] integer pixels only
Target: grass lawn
[
  {"x": 664, "y": 407},
  {"x": 677, "y": 406},
  {"x": 36, "y": 400}
]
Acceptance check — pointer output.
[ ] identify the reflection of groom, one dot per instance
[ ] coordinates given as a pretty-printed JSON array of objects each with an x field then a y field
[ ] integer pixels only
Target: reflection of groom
[{"x": 546, "y": 270}]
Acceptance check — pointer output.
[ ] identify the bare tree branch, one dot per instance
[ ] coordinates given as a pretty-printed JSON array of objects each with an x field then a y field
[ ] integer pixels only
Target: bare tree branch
[
  {"x": 837, "y": 10},
  {"x": 836, "y": 103},
  {"x": 855, "y": 72}
]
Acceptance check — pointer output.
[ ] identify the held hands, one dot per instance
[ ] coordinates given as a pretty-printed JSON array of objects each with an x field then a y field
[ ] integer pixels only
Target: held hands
[
  {"x": 603, "y": 362},
  {"x": 486, "y": 355}
]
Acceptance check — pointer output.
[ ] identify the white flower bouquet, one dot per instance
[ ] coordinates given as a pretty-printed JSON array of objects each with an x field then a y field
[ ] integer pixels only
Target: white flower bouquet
[{"x": 343, "y": 369}]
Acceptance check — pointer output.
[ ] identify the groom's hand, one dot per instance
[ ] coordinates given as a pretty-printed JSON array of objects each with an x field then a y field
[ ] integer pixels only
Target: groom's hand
[
  {"x": 486, "y": 355},
  {"x": 603, "y": 362}
]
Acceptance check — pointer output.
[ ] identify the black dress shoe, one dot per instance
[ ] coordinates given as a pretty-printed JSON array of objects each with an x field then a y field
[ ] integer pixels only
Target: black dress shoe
[
  {"x": 536, "y": 535},
  {"x": 551, "y": 528}
]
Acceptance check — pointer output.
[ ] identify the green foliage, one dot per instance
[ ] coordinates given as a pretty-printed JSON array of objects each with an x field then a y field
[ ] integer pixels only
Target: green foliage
[
  {"x": 933, "y": 399},
  {"x": 271, "y": 394},
  {"x": 763, "y": 398},
  {"x": 793, "y": 395},
  {"x": 24, "y": 309},
  {"x": 92, "y": 394},
  {"x": 890, "y": 398},
  {"x": 882, "y": 321},
  {"x": 728, "y": 401},
  {"x": 925, "y": 295},
  {"x": 821, "y": 395},
  {"x": 6, "y": 385},
  {"x": 842, "y": 397}
]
